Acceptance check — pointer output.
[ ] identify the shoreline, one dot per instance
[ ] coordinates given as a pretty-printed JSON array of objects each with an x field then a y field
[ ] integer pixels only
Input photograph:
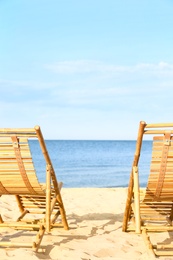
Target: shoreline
[{"x": 95, "y": 221}]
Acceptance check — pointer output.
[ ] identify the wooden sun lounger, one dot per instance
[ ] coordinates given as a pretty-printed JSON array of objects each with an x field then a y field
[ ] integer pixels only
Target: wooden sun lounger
[
  {"x": 18, "y": 178},
  {"x": 151, "y": 210}
]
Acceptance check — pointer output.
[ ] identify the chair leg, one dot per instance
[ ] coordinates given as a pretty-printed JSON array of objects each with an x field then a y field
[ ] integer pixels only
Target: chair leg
[
  {"x": 23, "y": 214},
  {"x": 63, "y": 216},
  {"x": 48, "y": 197},
  {"x": 39, "y": 238},
  {"x": 55, "y": 217},
  {"x": 148, "y": 244},
  {"x": 137, "y": 200}
]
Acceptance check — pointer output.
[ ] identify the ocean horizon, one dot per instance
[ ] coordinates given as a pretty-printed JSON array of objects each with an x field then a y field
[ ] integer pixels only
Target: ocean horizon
[{"x": 92, "y": 163}]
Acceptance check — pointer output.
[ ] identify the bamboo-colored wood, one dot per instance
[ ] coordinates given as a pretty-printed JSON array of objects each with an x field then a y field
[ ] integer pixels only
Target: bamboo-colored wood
[
  {"x": 53, "y": 202},
  {"x": 156, "y": 132},
  {"x": 39, "y": 238},
  {"x": 157, "y": 228},
  {"x": 46, "y": 202},
  {"x": 22, "y": 215},
  {"x": 160, "y": 125},
  {"x": 170, "y": 246},
  {"x": 20, "y": 225},
  {"x": 55, "y": 217},
  {"x": 164, "y": 253},
  {"x": 46, "y": 155},
  {"x": 16, "y": 131},
  {"x": 136, "y": 200},
  {"x": 155, "y": 204},
  {"x": 148, "y": 244},
  {"x": 34, "y": 245},
  {"x": 54, "y": 180},
  {"x": 15, "y": 244},
  {"x": 135, "y": 163},
  {"x": 48, "y": 197}
]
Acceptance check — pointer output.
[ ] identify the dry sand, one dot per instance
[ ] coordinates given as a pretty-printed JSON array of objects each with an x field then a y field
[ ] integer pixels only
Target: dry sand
[{"x": 95, "y": 220}]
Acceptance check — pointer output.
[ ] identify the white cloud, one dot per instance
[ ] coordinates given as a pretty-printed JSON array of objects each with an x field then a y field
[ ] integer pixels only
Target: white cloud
[
  {"x": 71, "y": 67},
  {"x": 92, "y": 83},
  {"x": 89, "y": 66}
]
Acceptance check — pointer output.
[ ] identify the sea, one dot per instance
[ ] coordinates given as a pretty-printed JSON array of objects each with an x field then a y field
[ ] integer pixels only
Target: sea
[{"x": 92, "y": 163}]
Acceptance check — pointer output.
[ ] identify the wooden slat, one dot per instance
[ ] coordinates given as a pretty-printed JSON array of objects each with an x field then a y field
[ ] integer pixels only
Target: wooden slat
[
  {"x": 9, "y": 171},
  {"x": 156, "y": 132},
  {"x": 159, "y": 125}
]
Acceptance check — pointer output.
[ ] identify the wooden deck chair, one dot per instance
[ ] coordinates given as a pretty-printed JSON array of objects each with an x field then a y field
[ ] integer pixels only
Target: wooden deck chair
[
  {"x": 18, "y": 177},
  {"x": 152, "y": 209}
]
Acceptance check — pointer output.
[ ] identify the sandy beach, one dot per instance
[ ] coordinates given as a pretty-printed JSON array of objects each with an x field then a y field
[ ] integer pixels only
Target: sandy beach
[{"x": 95, "y": 220}]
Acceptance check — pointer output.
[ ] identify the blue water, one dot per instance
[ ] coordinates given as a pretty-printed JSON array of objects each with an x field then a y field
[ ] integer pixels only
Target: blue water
[{"x": 92, "y": 163}]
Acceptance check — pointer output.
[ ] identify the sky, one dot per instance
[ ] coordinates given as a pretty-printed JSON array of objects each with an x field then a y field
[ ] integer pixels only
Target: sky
[{"x": 86, "y": 69}]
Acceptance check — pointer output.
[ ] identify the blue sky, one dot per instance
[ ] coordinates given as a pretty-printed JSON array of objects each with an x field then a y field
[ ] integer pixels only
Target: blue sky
[{"x": 85, "y": 69}]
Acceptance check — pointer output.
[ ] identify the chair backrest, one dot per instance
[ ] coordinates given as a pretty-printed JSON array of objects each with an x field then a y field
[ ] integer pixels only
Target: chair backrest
[
  {"x": 17, "y": 172},
  {"x": 160, "y": 181},
  {"x": 161, "y": 172}
]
